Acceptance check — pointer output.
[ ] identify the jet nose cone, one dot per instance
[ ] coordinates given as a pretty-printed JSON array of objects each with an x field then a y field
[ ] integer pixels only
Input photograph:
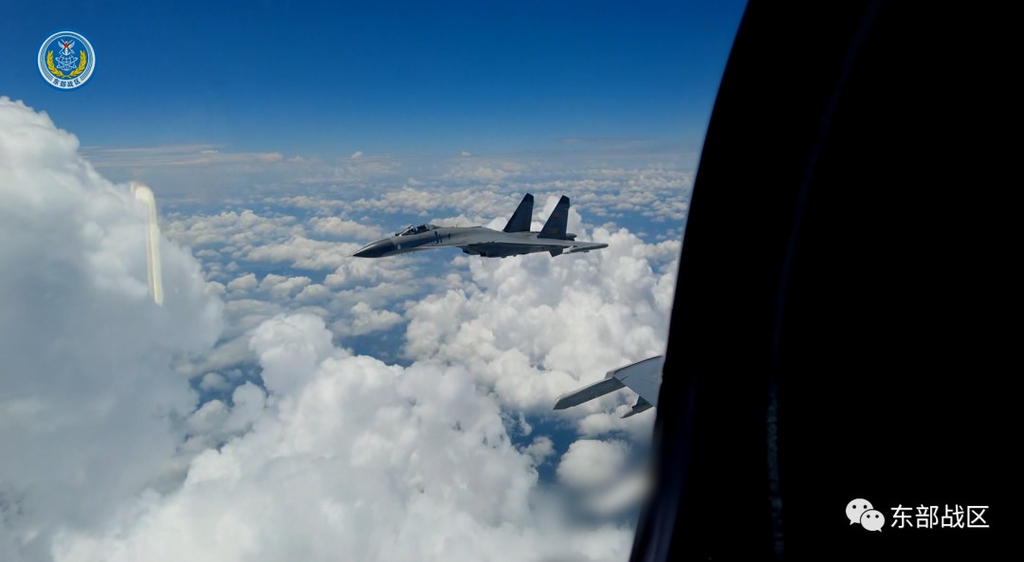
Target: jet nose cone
[{"x": 375, "y": 249}]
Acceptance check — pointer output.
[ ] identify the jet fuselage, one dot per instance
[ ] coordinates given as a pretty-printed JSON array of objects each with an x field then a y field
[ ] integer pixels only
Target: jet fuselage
[{"x": 516, "y": 238}]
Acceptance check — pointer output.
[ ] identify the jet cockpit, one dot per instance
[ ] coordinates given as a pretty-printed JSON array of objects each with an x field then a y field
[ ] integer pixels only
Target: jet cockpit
[{"x": 417, "y": 229}]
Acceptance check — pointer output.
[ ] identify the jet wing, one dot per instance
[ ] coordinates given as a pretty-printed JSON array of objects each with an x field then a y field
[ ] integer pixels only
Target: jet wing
[
  {"x": 507, "y": 248},
  {"x": 553, "y": 238},
  {"x": 574, "y": 247},
  {"x": 642, "y": 377}
]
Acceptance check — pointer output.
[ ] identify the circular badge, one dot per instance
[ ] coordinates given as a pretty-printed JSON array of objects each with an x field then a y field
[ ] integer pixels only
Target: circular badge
[{"x": 66, "y": 60}]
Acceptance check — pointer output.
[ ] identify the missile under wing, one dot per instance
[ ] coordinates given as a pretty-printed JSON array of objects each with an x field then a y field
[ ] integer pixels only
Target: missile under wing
[{"x": 642, "y": 377}]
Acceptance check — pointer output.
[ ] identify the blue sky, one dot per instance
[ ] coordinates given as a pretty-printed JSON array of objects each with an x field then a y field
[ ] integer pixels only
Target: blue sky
[{"x": 396, "y": 78}]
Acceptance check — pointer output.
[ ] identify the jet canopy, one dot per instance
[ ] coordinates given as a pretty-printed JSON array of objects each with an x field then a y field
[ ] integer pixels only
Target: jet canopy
[{"x": 417, "y": 229}]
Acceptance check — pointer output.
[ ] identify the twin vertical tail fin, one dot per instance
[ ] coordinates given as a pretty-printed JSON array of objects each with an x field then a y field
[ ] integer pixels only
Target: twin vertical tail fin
[
  {"x": 521, "y": 219},
  {"x": 555, "y": 227}
]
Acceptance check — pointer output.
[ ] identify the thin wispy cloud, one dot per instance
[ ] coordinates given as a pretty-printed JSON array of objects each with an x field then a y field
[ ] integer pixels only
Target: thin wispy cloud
[{"x": 173, "y": 155}]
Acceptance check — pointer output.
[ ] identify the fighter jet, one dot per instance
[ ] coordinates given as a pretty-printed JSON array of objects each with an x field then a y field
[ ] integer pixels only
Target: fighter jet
[
  {"x": 642, "y": 377},
  {"x": 515, "y": 239}
]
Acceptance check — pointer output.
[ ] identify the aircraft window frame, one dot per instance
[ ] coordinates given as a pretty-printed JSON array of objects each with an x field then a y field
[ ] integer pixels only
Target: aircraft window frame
[{"x": 417, "y": 229}]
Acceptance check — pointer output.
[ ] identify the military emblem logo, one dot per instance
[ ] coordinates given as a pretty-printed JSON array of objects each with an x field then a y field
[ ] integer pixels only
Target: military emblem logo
[{"x": 66, "y": 60}]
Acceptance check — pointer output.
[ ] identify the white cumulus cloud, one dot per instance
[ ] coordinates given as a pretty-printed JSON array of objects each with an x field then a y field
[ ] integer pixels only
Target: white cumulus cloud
[
  {"x": 534, "y": 327},
  {"x": 107, "y": 454},
  {"x": 352, "y": 459},
  {"x": 364, "y": 320},
  {"x": 87, "y": 393},
  {"x": 590, "y": 463}
]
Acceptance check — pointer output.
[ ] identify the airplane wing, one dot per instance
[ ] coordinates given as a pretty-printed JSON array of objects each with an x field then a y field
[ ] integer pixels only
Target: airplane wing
[
  {"x": 552, "y": 238},
  {"x": 642, "y": 377},
  {"x": 530, "y": 246},
  {"x": 582, "y": 247}
]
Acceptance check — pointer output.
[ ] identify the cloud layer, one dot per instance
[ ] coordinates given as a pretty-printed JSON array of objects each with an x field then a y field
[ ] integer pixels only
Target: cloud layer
[
  {"x": 357, "y": 460},
  {"x": 533, "y": 327},
  {"x": 239, "y": 422},
  {"x": 87, "y": 396}
]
